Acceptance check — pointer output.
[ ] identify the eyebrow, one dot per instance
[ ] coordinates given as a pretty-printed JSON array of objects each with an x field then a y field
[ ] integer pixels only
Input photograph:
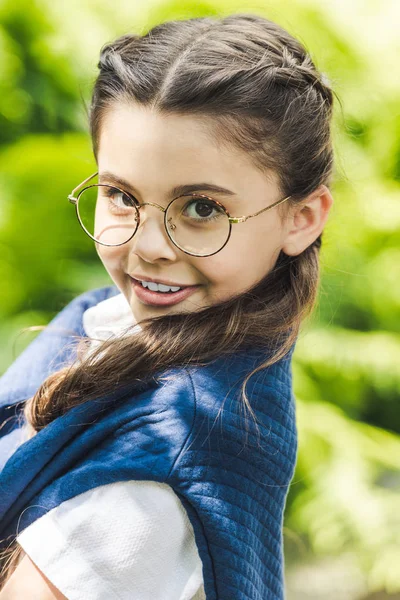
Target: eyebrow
[{"x": 178, "y": 190}]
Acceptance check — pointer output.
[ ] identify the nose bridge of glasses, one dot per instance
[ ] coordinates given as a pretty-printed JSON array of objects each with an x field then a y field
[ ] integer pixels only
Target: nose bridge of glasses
[
  {"x": 152, "y": 204},
  {"x": 159, "y": 207}
]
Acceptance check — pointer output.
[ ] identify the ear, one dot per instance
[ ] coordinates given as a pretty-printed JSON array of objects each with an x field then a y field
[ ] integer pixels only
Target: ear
[{"x": 307, "y": 220}]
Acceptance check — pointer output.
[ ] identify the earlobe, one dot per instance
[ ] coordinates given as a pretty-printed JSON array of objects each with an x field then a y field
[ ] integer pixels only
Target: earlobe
[{"x": 307, "y": 221}]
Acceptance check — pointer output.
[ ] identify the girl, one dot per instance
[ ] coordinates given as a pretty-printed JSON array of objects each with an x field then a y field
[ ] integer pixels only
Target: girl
[{"x": 157, "y": 458}]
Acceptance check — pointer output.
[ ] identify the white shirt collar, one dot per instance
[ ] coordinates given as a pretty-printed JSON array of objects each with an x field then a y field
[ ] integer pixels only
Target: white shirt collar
[{"x": 109, "y": 318}]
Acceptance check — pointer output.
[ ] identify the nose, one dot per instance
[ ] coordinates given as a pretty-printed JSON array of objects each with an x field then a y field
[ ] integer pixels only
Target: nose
[{"x": 151, "y": 242}]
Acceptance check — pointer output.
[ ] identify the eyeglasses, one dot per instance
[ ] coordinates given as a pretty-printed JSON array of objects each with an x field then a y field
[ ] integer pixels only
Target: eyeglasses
[{"x": 195, "y": 223}]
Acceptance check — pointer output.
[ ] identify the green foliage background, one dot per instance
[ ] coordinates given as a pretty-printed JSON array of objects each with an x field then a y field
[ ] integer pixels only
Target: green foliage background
[{"x": 344, "y": 497}]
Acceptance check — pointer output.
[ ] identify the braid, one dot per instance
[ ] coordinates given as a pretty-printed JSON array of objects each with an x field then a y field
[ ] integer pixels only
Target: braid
[{"x": 294, "y": 68}]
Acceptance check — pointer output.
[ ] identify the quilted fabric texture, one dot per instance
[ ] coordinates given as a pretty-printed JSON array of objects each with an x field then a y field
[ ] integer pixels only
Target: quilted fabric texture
[{"x": 187, "y": 429}]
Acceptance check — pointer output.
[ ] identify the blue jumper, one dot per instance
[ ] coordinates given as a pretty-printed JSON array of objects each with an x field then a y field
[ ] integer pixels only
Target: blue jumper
[{"x": 184, "y": 428}]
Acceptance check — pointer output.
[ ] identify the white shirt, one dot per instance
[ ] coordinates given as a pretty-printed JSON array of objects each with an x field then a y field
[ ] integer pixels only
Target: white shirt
[{"x": 129, "y": 540}]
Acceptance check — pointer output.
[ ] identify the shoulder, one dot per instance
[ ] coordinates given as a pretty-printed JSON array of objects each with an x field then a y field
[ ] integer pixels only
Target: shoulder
[{"x": 224, "y": 427}]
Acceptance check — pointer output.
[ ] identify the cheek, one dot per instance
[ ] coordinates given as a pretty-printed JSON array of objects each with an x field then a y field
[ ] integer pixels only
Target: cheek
[
  {"x": 244, "y": 261},
  {"x": 112, "y": 258},
  {"x": 228, "y": 271}
]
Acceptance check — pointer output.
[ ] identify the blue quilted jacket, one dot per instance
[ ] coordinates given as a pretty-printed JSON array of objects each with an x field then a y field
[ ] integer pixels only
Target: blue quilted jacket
[{"x": 184, "y": 428}]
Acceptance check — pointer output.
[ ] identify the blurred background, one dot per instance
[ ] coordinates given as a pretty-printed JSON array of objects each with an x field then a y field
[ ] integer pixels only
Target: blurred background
[{"x": 342, "y": 518}]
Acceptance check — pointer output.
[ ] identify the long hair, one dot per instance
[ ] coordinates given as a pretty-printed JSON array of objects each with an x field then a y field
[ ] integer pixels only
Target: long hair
[{"x": 262, "y": 93}]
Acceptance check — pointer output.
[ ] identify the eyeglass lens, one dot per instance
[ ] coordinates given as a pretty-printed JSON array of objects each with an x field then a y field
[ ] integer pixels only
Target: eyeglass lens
[{"x": 196, "y": 225}]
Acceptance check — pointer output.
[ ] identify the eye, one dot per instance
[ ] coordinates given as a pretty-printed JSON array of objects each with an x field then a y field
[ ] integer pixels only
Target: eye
[
  {"x": 120, "y": 199},
  {"x": 202, "y": 209}
]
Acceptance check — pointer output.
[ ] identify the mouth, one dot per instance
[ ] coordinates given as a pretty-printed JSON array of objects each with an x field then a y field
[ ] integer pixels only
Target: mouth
[{"x": 155, "y": 293}]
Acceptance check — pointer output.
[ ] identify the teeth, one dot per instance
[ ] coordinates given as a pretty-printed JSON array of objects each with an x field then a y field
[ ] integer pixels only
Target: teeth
[
  {"x": 152, "y": 286},
  {"x": 159, "y": 287},
  {"x": 167, "y": 288}
]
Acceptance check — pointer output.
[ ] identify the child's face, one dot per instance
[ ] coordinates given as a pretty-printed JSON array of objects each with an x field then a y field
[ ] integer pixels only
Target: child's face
[{"x": 154, "y": 153}]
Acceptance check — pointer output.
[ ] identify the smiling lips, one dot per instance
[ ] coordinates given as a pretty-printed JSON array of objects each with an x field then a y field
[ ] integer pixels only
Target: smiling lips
[{"x": 160, "y": 294}]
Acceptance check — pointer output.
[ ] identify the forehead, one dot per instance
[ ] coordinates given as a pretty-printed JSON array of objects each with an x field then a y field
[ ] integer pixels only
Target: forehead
[{"x": 155, "y": 150}]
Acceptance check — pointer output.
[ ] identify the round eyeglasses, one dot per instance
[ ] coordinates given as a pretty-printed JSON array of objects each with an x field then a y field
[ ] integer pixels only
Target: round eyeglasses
[{"x": 195, "y": 223}]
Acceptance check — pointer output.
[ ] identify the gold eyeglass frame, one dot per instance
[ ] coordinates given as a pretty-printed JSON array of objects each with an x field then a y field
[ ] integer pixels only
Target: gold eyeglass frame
[{"x": 232, "y": 220}]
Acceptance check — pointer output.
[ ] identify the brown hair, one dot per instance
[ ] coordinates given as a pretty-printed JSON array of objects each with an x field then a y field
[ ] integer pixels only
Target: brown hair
[{"x": 261, "y": 91}]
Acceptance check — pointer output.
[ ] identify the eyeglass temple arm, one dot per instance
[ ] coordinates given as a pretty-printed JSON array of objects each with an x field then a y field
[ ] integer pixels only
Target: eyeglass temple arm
[
  {"x": 71, "y": 196},
  {"x": 243, "y": 219}
]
